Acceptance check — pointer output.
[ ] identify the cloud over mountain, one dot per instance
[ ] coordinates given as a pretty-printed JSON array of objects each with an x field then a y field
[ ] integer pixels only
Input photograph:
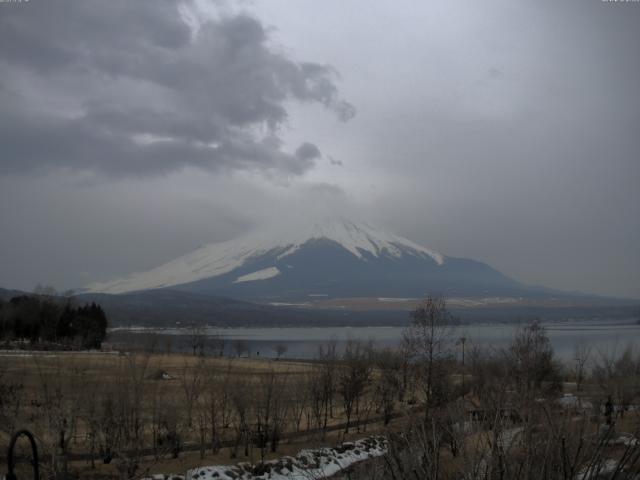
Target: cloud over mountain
[{"x": 149, "y": 87}]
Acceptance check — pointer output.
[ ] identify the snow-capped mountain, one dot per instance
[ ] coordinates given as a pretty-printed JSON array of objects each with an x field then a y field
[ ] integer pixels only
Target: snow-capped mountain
[{"x": 329, "y": 259}]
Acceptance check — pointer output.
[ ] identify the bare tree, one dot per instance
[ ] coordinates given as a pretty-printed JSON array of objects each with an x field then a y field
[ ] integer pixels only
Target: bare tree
[
  {"x": 192, "y": 380},
  {"x": 429, "y": 342},
  {"x": 217, "y": 402},
  {"x": 323, "y": 385},
  {"x": 121, "y": 416},
  {"x": 388, "y": 381},
  {"x": 168, "y": 345},
  {"x": 300, "y": 392},
  {"x": 217, "y": 343},
  {"x": 152, "y": 341},
  {"x": 534, "y": 373},
  {"x": 197, "y": 337},
  {"x": 415, "y": 451},
  {"x": 531, "y": 360},
  {"x": 170, "y": 426},
  {"x": 269, "y": 410},
  {"x": 240, "y": 400},
  {"x": 619, "y": 377},
  {"x": 318, "y": 403},
  {"x": 59, "y": 400},
  {"x": 354, "y": 373},
  {"x": 157, "y": 406},
  {"x": 581, "y": 356},
  {"x": 280, "y": 350},
  {"x": 240, "y": 346}
]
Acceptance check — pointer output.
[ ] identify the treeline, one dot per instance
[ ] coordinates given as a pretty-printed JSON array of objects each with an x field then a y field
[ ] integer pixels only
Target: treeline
[{"x": 45, "y": 319}]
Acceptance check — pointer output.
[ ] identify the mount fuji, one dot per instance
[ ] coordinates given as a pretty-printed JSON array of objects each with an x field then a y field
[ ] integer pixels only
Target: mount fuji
[{"x": 330, "y": 259}]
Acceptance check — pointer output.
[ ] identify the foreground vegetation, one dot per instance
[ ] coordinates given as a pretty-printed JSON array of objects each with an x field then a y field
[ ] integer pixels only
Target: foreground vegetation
[{"x": 448, "y": 409}]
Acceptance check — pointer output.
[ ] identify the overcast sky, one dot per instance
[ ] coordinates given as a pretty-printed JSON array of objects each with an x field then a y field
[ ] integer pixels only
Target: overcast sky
[{"x": 507, "y": 132}]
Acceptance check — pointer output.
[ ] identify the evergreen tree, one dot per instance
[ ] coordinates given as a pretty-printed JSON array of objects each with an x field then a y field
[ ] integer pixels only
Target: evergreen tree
[{"x": 38, "y": 318}]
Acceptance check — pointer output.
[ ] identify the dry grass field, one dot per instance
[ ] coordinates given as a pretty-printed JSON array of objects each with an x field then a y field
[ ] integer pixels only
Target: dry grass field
[{"x": 168, "y": 413}]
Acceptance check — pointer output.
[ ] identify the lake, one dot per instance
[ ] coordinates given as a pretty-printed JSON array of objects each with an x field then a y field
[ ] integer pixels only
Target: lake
[{"x": 606, "y": 336}]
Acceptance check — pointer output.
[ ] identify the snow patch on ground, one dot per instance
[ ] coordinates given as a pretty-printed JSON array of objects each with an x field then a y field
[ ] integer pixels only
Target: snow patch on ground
[
  {"x": 263, "y": 274},
  {"x": 605, "y": 468},
  {"x": 623, "y": 438},
  {"x": 307, "y": 464},
  {"x": 571, "y": 402}
]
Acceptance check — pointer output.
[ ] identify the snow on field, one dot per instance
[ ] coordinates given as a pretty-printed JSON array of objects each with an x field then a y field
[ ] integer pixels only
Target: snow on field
[
  {"x": 460, "y": 302},
  {"x": 479, "y": 302},
  {"x": 623, "y": 438},
  {"x": 607, "y": 467},
  {"x": 306, "y": 465},
  {"x": 570, "y": 401}
]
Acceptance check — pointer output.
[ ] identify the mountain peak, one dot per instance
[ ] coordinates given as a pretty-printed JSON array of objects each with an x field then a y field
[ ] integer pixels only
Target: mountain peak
[{"x": 360, "y": 239}]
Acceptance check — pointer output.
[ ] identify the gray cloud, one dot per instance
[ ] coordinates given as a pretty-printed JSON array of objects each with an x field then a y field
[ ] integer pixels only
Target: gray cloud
[
  {"x": 132, "y": 89},
  {"x": 307, "y": 152},
  {"x": 327, "y": 189},
  {"x": 335, "y": 162},
  {"x": 494, "y": 72}
]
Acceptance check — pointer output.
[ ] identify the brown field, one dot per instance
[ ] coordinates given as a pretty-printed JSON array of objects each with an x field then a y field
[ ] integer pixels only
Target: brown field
[{"x": 67, "y": 391}]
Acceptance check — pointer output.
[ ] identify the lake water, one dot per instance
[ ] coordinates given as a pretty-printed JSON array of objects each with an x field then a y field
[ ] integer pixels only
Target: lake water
[{"x": 607, "y": 336}]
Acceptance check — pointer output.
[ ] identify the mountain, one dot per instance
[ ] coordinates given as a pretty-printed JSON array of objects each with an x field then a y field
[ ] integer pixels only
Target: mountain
[
  {"x": 331, "y": 259},
  {"x": 331, "y": 273}
]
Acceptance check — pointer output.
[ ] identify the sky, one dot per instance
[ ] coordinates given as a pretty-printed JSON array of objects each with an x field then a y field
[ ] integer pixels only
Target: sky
[{"x": 507, "y": 132}]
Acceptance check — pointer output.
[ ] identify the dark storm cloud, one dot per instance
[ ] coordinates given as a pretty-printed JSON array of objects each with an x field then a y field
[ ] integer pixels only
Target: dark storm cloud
[
  {"x": 308, "y": 152},
  {"x": 131, "y": 88}
]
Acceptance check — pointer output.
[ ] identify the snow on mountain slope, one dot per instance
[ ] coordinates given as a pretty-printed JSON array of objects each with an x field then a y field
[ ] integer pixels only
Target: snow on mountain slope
[
  {"x": 264, "y": 274},
  {"x": 216, "y": 259}
]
